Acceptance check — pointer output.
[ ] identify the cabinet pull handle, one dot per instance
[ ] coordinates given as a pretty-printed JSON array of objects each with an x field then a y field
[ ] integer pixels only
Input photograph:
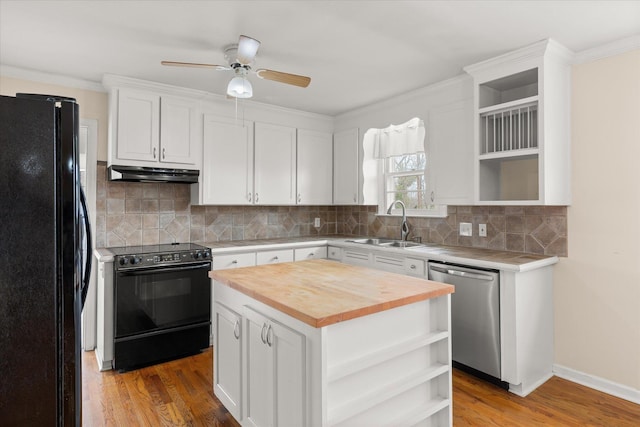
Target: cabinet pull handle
[
  {"x": 299, "y": 198},
  {"x": 163, "y": 154},
  {"x": 154, "y": 152},
  {"x": 269, "y": 336},
  {"x": 311, "y": 255},
  {"x": 433, "y": 196},
  {"x": 236, "y": 329},
  {"x": 256, "y": 198},
  {"x": 275, "y": 258},
  {"x": 263, "y": 333},
  {"x": 235, "y": 261},
  {"x": 413, "y": 266},
  {"x": 355, "y": 198},
  {"x": 249, "y": 196}
]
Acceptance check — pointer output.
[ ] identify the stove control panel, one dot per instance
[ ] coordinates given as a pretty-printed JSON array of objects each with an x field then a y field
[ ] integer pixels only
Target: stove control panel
[{"x": 159, "y": 259}]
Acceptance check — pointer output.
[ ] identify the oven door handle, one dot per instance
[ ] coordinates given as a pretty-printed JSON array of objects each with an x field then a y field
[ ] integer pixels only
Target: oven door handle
[{"x": 154, "y": 270}]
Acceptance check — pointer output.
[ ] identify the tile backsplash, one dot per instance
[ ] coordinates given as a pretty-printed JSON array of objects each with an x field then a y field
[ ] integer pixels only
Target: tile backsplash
[{"x": 147, "y": 213}]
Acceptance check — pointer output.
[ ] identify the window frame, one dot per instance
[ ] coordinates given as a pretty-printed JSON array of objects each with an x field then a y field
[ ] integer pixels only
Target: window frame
[{"x": 385, "y": 176}]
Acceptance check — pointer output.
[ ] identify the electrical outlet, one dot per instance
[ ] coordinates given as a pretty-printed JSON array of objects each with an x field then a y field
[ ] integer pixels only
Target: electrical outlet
[
  {"x": 482, "y": 230},
  {"x": 466, "y": 229},
  {"x": 316, "y": 223}
]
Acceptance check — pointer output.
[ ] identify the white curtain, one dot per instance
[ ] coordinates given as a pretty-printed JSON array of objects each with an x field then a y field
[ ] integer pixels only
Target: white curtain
[{"x": 396, "y": 140}]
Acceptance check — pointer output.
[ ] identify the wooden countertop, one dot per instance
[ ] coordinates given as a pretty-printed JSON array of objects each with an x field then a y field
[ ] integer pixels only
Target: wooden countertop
[{"x": 321, "y": 292}]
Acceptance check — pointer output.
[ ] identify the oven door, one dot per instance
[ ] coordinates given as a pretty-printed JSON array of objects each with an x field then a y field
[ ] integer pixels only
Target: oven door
[{"x": 159, "y": 298}]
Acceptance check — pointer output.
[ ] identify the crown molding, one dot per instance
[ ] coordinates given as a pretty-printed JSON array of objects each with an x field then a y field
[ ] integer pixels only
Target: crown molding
[
  {"x": 610, "y": 49},
  {"x": 49, "y": 78}
]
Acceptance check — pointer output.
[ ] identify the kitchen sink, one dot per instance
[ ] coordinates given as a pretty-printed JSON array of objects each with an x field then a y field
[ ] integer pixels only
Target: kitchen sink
[
  {"x": 390, "y": 243},
  {"x": 401, "y": 244}
]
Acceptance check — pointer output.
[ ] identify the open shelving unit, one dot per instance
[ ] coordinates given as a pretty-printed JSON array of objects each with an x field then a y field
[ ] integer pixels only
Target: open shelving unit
[{"x": 521, "y": 126}]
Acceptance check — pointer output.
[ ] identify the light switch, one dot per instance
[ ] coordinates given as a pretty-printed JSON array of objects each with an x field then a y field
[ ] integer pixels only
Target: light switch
[{"x": 466, "y": 229}]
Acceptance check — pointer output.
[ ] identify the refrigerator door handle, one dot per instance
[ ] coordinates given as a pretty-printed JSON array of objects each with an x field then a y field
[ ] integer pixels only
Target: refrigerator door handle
[{"x": 89, "y": 255}]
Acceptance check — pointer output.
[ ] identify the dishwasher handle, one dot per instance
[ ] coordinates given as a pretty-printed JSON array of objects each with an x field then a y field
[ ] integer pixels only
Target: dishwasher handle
[{"x": 452, "y": 272}]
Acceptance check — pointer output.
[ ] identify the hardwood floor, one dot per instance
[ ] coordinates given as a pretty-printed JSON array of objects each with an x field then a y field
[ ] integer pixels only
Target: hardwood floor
[{"x": 180, "y": 393}]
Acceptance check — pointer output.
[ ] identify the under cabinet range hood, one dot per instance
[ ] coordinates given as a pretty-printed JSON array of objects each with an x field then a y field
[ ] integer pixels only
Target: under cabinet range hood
[{"x": 146, "y": 174}]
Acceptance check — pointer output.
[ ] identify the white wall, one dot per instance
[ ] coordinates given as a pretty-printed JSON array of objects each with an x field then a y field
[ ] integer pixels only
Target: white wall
[{"x": 597, "y": 288}]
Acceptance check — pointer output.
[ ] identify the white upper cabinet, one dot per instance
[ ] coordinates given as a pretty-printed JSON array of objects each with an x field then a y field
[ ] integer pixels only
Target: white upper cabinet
[
  {"x": 522, "y": 126},
  {"x": 227, "y": 164},
  {"x": 314, "y": 168},
  {"x": 345, "y": 167},
  {"x": 450, "y": 154},
  {"x": 178, "y": 130},
  {"x": 154, "y": 130},
  {"x": 275, "y": 165},
  {"x": 138, "y": 131}
]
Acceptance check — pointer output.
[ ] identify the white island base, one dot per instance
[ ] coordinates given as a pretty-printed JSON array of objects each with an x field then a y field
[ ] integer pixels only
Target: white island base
[{"x": 388, "y": 368}]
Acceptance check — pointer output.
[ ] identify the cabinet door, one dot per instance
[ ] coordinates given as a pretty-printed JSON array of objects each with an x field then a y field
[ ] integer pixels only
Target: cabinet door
[
  {"x": 227, "y": 164},
  {"x": 450, "y": 154},
  {"x": 275, "y": 373},
  {"x": 179, "y": 134},
  {"x": 138, "y": 133},
  {"x": 346, "y": 169},
  {"x": 275, "y": 165},
  {"x": 274, "y": 257},
  {"x": 227, "y": 360},
  {"x": 314, "y": 168},
  {"x": 310, "y": 253},
  {"x": 258, "y": 372}
]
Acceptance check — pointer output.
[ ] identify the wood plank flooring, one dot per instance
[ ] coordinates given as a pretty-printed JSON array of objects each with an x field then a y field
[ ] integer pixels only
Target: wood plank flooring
[{"x": 180, "y": 393}]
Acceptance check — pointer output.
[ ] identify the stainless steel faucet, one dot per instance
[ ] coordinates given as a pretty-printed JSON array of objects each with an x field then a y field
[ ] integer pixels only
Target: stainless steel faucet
[{"x": 404, "y": 228}]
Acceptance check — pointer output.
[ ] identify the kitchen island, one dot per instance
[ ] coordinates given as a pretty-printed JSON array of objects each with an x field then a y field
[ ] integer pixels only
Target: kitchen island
[{"x": 321, "y": 343}]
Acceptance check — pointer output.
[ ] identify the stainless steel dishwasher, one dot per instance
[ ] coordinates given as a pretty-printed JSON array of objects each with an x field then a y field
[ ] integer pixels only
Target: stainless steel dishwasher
[{"x": 475, "y": 316}]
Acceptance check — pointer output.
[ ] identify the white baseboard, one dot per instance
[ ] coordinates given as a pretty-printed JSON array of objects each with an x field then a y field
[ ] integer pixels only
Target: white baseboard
[{"x": 597, "y": 383}]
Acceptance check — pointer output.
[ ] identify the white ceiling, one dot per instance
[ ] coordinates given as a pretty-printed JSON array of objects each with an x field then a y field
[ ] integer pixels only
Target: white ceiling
[{"x": 356, "y": 52}]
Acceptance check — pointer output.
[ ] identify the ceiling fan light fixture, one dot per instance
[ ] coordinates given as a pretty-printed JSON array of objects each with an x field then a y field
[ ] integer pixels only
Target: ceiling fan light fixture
[{"x": 240, "y": 87}]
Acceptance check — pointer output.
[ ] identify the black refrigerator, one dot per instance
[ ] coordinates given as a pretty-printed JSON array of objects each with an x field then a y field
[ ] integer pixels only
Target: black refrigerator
[{"x": 45, "y": 262}]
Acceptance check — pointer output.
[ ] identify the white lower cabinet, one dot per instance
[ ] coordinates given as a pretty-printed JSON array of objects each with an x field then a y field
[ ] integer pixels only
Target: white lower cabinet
[
  {"x": 274, "y": 257},
  {"x": 227, "y": 372},
  {"x": 310, "y": 253},
  {"x": 274, "y": 372}
]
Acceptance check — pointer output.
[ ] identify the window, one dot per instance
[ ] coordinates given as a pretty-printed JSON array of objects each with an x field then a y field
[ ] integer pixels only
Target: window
[
  {"x": 404, "y": 180},
  {"x": 395, "y": 167}
]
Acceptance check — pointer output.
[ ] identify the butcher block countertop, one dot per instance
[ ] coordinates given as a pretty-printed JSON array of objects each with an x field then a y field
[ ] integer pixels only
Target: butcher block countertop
[{"x": 321, "y": 292}]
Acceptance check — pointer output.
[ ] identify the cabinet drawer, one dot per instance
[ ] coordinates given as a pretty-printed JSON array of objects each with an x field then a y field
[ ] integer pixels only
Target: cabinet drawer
[
  {"x": 414, "y": 267},
  {"x": 273, "y": 257},
  {"x": 334, "y": 253},
  {"x": 310, "y": 253},
  {"x": 222, "y": 262},
  {"x": 356, "y": 257}
]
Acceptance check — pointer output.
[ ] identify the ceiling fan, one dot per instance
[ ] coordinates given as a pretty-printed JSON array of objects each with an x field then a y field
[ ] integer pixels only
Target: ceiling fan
[{"x": 240, "y": 58}]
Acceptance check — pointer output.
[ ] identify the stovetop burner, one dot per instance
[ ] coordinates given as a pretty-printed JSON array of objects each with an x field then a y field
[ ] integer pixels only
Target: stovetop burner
[{"x": 127, "y": 257}]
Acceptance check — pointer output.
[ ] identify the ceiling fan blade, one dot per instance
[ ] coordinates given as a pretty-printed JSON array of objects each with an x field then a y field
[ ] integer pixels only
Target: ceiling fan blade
[
  {"x": 194, "y": 65},
  {"x": 279, "y": 76},
  {"x": 247, "y": 49}
]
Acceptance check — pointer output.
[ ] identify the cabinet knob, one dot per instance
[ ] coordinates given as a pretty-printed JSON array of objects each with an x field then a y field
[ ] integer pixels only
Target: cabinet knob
[
  {"x": 433, "y": 196},
  {"x": 154, "y": 152},
  {"x": 163, "y": 154}
]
